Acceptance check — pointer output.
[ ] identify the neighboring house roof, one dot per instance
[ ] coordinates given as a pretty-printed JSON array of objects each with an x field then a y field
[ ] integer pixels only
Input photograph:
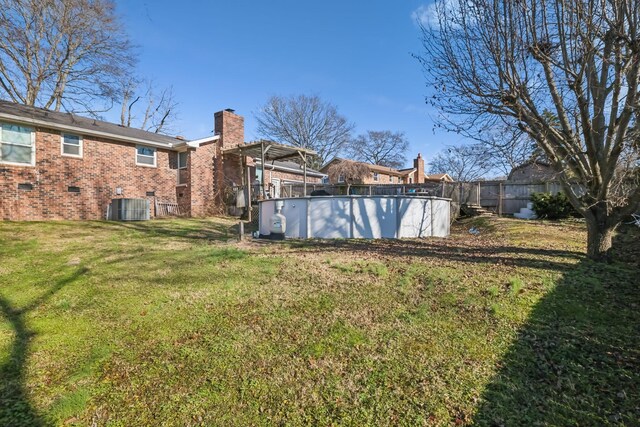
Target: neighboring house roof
[
  {"x": 387, "y": 170},
  {"x": 373, "y": 168},
  {"x": 439, "y": 177},
  {"x": 539, "y": 168},
  {"x": 541, "y": 163},
  {"x": 290, "y": 167},
  {"x": 69, "y": 122},
  {"x": 406, "y": 172},
  {"x": 329, "y": 163}
]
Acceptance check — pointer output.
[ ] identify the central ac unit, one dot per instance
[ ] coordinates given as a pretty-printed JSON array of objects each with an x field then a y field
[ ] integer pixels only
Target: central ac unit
[{"x": 130, "y": 210}]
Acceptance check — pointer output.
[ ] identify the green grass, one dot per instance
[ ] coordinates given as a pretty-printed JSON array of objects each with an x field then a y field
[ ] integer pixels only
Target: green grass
[{"x": 175, "y": 323}]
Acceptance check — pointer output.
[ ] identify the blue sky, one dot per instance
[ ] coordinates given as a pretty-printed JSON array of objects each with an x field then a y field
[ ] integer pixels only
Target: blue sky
[{"x": 235, "y": 54}]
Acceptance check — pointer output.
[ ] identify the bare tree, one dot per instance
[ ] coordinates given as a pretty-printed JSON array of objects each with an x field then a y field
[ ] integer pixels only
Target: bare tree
[
  {"x": 62, "y": 54},
  {"x": 463, "y": 163},
  {"x": 505, "y": 148},
  {"x": 383, "y": 148},
  {"x": 566, "y": 73},
  {"x": 305, "y": 121},
  {"x": 142, "y": 108},
  {"x": 348, "y": 172}
]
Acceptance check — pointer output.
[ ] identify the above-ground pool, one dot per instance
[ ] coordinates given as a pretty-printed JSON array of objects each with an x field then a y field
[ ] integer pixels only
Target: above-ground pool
[{"x": 359, "y": 217}]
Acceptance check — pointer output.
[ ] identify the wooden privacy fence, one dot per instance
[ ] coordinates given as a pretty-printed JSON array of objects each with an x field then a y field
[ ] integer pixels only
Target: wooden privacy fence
[{"x": 507, "y": 198}]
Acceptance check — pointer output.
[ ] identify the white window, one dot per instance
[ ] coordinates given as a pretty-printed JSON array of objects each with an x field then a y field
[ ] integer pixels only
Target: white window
[
  {"x": 375, "y": 176},
  {"x": 340, "y": 178},
  {"x": 17, "y": 145},
  {"x": 145, "y": 156},
  {"x": 182, "y": 160},
  {"x": 71, "y": 145}
]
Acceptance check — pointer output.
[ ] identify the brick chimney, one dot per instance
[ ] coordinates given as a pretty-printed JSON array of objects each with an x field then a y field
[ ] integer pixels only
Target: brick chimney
[
  {"x": 227, "y": 169},
  {"x": 230, "y": 127},
  {"x": 418, "y": 164}
]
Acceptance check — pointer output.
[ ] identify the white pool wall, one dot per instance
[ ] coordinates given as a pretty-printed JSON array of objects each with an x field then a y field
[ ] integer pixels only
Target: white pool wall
[{"x": 366, "y": 217}]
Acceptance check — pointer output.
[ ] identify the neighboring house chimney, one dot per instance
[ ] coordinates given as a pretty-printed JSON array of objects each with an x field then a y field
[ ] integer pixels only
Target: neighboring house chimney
[
  {"x": 418, "y": 164},
  {"x": 230, "y": 127}
]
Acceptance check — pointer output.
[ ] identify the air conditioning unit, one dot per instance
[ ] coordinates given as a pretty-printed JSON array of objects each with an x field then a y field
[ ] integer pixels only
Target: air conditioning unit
[{"x": 130, "y": 210}]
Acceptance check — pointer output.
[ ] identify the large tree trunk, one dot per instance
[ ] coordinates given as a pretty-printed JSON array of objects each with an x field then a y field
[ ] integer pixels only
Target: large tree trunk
[{"x": 599, "y": 236}]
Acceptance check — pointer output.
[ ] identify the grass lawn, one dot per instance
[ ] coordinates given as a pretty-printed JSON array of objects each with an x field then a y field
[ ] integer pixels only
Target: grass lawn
[{"x": 173, "y": 323}]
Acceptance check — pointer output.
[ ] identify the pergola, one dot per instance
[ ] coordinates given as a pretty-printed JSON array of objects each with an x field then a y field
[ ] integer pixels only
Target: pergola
[{"x": 269, "y": 151}]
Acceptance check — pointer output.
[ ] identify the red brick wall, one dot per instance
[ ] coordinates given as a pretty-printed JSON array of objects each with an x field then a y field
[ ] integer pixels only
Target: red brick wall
[
  {"x": 204, "y": 200},
  {"x": 183, "y": 189},
  {"x": 382, "y": 179},
  {"x": 104, "y": 166}
]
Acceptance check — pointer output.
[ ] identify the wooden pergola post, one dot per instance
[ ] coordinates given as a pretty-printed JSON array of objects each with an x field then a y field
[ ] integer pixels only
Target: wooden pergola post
[
  {"x": 304, "y": 172},
  {"x": 262, "y": 162},
  {"x": 248, "y": 169}
]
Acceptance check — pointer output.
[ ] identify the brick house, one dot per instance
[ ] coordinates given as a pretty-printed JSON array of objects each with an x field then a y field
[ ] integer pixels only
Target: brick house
[
  {"x": 61, "y": 166},
  {"x": 533, "y": 170},
  {"x": 386, "y": 175}
]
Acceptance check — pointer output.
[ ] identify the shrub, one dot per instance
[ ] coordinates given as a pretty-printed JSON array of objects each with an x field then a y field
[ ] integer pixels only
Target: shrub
[{"x": 551, "y": 206}]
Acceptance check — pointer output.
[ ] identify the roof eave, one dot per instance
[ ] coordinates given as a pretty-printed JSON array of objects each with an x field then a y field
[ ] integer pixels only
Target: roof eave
[
  {"x": 315, "y": 173},
  {"x": 196, "y": 142},
  {"x": 84, "y": 131}
]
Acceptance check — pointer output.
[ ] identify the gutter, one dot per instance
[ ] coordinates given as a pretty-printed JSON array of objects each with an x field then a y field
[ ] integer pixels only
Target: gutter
[{"x": 298, "y": 171}]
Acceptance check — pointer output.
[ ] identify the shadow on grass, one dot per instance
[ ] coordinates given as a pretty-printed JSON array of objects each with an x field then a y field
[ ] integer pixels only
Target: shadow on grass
[
  {"x": 15, "y": 408},
  {"x": 192, "y": 229},
  {"x": 577, "y": 360},
  {"x": 548, "y": 259}
]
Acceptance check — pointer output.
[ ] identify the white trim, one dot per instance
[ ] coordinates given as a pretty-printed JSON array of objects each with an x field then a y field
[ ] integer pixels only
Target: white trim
[
  {"x": 198, "y": 142},
  {"x": 62, "y": 144},
  {"x": 33, "y": 148},
  {"x": 84, "y": 131},
  {"x": 147, "y": 165},
  {"x": 286, "y": 169},
  {"x": 26, "y": 165}
]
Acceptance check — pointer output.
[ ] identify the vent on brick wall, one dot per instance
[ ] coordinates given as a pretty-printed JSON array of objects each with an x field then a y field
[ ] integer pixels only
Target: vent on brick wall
[
  {"x": 73, "y": 189},
  {"x": 25, "y": 186},
  {"x": 151, "y": 193}
]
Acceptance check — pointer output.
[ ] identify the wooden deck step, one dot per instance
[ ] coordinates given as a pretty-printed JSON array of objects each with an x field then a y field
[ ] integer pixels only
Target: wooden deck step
[{"x": 475, "y": 210}]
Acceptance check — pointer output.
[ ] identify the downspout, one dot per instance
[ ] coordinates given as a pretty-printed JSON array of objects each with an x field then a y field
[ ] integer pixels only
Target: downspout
[{"x": 262, "y": 163}]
